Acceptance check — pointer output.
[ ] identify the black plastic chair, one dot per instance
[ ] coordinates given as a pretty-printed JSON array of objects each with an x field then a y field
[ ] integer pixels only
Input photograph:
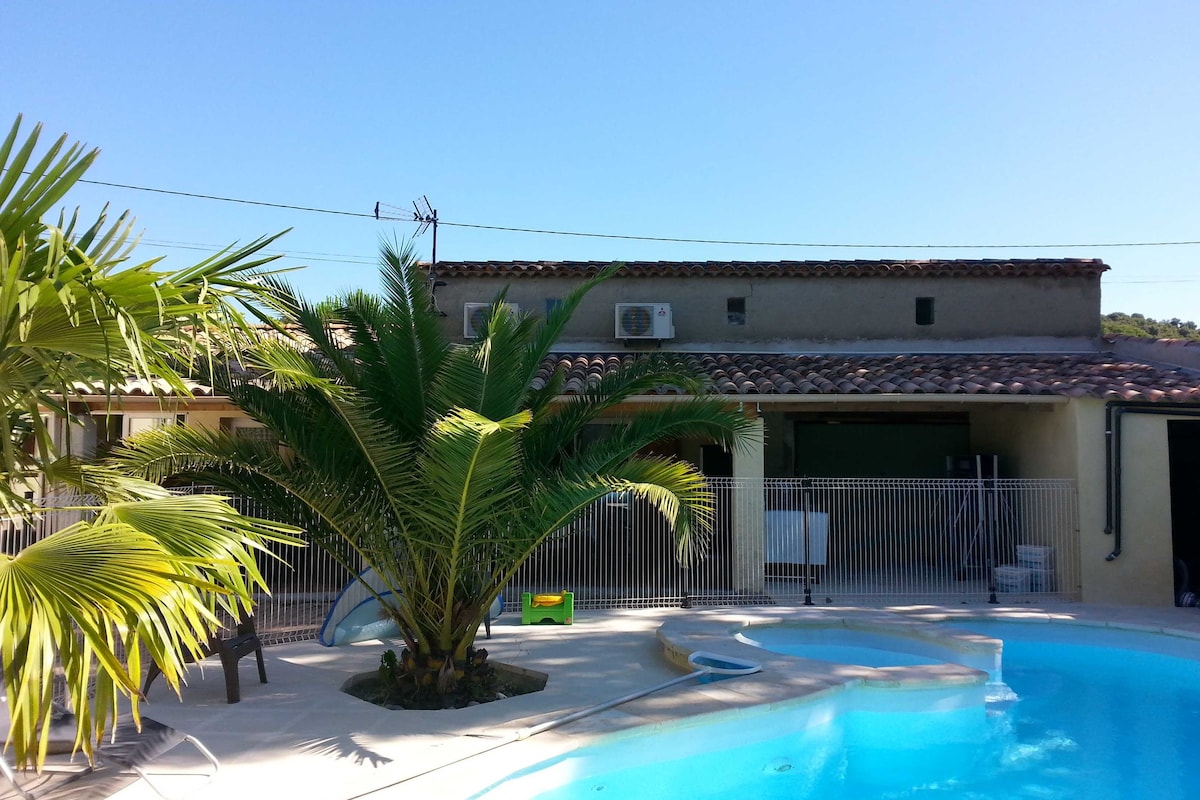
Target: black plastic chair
[{"x": 231, "y": 649}]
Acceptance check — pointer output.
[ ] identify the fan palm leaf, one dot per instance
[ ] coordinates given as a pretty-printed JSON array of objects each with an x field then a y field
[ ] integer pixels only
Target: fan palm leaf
[{"x": 143, "y": 569}]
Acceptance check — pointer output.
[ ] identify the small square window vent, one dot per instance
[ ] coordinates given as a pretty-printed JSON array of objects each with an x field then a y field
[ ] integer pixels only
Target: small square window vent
[
  {"x": 924, "y": 311},
  {"x": 735, "y": 311}
]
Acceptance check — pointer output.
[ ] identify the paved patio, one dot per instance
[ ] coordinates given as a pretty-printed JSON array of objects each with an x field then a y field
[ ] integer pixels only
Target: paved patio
[{"x": 300, "y": 736}]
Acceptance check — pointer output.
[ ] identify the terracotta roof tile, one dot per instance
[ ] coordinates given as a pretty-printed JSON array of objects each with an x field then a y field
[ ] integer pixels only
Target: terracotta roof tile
[
  {"x": 139, "y": 387},
  {"x": 938, "y": 268},
  {"x": 1071, "y": 375}
]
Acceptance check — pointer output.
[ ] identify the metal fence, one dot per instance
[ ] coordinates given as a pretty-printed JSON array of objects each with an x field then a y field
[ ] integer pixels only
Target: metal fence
[
  {"x": 304, "y": 581},
  {"x": 56, "y": 511},
  {"x": 825, "y": 541},
  {"x": 841, "y": 541}
]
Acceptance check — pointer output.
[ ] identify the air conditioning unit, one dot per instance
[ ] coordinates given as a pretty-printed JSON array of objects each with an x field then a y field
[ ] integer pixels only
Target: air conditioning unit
[
  {"x": 475, "y": 316},
  {"x": 644, "y": 321}
]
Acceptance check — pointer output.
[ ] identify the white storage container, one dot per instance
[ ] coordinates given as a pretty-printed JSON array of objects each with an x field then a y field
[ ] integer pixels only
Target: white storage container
[
  {"x": 1012, "y": 579},
  {"x": 1035, "y": 556},
  {"x": 1041, "y": 580}
]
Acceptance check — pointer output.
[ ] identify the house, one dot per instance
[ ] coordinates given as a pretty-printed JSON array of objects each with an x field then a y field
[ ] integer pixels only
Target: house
[
  {"x": 893, "y": 371},
  {"x": 928, "y": 427}
]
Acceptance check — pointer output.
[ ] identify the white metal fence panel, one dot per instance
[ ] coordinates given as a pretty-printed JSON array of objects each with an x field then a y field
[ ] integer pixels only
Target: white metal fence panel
[
  {"x": 824, "y": 541},
  {"x": 816, "y": 540},
  {"x": 304, "y": 581},
  {"x": 55, "y": 511},
  {"x": 916, "y": 540}
]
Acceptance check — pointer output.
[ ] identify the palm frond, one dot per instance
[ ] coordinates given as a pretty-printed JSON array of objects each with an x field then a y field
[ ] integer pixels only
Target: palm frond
[{"x": 105, "y": 583}]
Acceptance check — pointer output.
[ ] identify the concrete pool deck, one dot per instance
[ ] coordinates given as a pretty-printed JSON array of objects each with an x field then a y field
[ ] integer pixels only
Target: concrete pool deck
[{"x": 300, "y": 736}]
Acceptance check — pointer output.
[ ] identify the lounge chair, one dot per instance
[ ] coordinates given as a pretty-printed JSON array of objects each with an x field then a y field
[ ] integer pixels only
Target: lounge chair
[
  {"x": 231, "y": 649},
  {"x": 120, "y": 759}
]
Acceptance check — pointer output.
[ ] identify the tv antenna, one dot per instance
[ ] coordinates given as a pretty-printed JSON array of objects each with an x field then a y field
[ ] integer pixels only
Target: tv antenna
[{"x": 425, "y": 215}]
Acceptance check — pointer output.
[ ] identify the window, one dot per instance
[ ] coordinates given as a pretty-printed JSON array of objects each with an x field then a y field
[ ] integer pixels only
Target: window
[
  {"x": 262, "y": 435},
  {"x": 735, "y": 311},
  {"x": 110, "y": 428},
  {"x": 148, "y": 423},
  {"x": 924, "y": 311},
  {"x": 552, "y": 303}
]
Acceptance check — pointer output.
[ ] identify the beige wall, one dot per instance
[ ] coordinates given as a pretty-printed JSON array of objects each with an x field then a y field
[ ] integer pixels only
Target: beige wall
[
  {"x": 824, "y": 309},
  {"x": 199, "y": 412},
  {"x": 1068, "y": 441},
  {"x": 1033, "y": 441},
  {"x": 1142, "y": 574}
]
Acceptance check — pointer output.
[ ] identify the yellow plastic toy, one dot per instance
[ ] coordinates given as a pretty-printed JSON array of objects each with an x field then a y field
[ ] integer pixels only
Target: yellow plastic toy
[{"x": 556, "y": 608}]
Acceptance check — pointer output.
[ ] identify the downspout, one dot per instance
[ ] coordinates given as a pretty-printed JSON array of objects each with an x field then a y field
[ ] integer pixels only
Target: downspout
[{"x": 1113, "y": 411}]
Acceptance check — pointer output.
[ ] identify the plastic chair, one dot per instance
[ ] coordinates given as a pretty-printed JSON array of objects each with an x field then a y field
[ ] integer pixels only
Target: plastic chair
[
  {"x": 494, "y": 610},
  {"x": 231, "y": 649}
]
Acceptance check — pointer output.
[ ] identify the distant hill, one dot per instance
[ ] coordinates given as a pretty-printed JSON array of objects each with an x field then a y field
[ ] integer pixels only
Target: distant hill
[{"x": 1139, "y": 325}]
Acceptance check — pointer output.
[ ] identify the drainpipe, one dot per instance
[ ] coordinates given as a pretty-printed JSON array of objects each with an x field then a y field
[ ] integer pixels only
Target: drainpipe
[{"x": 1113, "y": 411}]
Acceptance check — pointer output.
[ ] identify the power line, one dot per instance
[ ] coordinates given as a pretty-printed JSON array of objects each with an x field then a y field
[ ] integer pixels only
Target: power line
[
  {"x": 783, "y": 244},
  {"x": 751, "y": 243},
  {"x": 228, "y": 199},
  {"x": 308, "y": 255},
  {"x": 668, "y": 239}
]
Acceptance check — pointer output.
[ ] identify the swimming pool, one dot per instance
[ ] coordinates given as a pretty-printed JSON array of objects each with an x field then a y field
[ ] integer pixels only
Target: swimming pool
[
  {"x": 874, "y": 645},
  {"x": 1102, "y": 713}
]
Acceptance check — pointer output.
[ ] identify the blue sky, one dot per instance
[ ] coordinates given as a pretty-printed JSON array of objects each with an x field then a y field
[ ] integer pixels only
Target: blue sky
[{"x": 892, "y": 123}]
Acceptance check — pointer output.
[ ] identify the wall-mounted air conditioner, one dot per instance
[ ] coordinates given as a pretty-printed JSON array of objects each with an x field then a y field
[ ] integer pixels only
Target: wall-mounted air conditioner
[
  {"x": 644, "y": 321},
  {"x": 475, "y": 316}
]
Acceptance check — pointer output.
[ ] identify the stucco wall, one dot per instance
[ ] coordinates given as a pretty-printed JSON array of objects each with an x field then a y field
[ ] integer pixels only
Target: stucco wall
[
  {"x": 831, "y": 309},
  {"x": 1068, "y": 441},
  {"x": 1142, "y": 574},
  {"x": 1033, "y": 441}
]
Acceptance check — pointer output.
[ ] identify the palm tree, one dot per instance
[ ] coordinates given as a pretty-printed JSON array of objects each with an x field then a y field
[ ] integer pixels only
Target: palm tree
[
  {"x": 443, "y": 466},
  {"x": 144, "y": 569}
]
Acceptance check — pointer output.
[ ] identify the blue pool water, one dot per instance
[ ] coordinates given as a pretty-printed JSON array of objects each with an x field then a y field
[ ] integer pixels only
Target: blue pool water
[
  {"x": 839, "y": 645},
  {"x": 1102, "y": 714}
]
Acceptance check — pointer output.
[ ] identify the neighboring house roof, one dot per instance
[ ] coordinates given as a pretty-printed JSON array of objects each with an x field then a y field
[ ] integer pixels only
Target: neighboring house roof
[
  {"x": 1183, "y": 352},
  {"x": 957, "y": 268},
  {"x": 1071, "y": 375},
  {"x": 138, "y": 387}
]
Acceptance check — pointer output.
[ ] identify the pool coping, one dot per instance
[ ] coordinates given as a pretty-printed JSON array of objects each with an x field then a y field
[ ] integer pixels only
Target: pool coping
[
  {"x": 719, "y": 633},
  {"x": 787, "y": 680}
]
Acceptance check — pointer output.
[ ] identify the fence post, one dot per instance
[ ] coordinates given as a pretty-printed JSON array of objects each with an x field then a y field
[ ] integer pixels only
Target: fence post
[
  {"x": 990, "y": 491},
  {"x": 805, "y": 505}
]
